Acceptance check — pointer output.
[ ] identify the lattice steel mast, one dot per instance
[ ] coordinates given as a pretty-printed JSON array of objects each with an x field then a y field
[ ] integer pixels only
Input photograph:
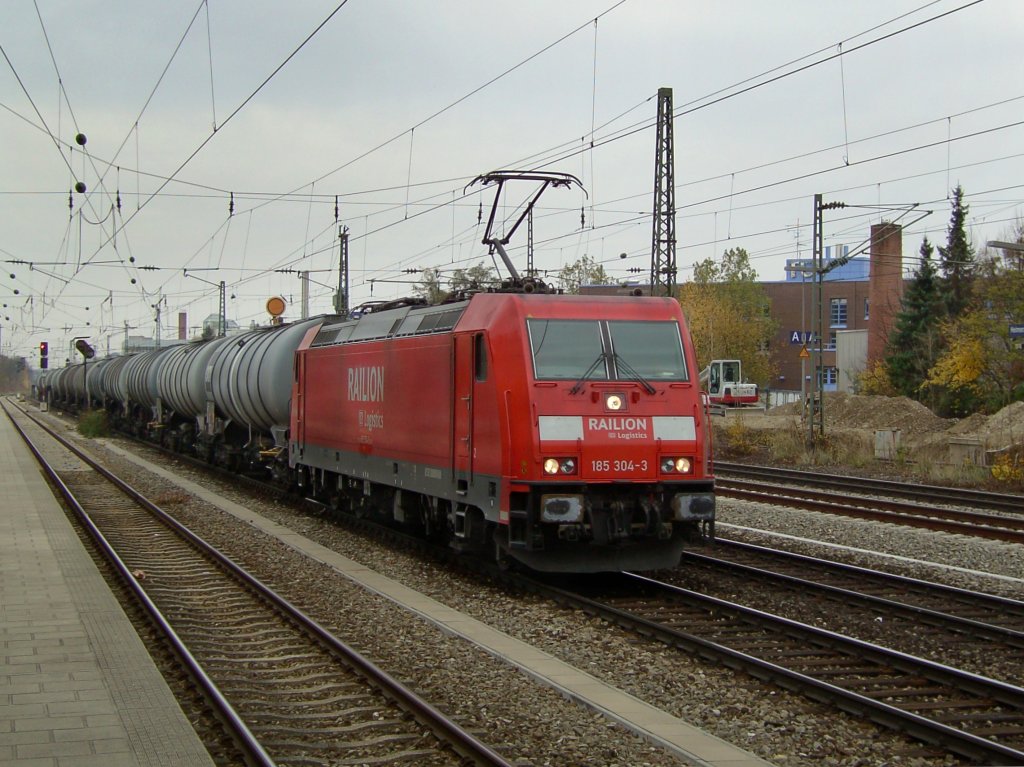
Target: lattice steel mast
[{"x": 663, "y": 243}]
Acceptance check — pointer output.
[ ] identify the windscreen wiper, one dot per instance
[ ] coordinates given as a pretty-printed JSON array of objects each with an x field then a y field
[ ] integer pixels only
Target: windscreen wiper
[
  {"x": 633, "y": 375},
  {"x": 578, "y": 386}
]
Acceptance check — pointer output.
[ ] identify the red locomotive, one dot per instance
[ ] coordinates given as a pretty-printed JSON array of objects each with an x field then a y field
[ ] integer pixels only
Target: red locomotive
[{"x": 566, "y": 433}]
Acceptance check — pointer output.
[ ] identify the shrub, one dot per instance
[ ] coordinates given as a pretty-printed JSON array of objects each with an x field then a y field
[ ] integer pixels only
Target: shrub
[
  {"x": 93, "y": 423},
  {"x": 736, "y": 440},
  {"x": 1008, "y": 468}
]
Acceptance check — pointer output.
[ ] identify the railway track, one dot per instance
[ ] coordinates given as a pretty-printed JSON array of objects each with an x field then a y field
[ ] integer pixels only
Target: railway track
[
  {"x": 969, "y": 609},
  {"x": 975, "y": 499},
  {"x": 851, "y": 497},
  {"x": 977, "y": 631},
  {"x": 287, "y": 691},
  {"x": 967, "y": 714}
]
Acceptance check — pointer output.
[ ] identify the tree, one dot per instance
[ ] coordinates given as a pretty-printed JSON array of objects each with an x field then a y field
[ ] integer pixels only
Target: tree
[
  {"x": 982, "y": 362},
  {"x": 733, "y": 268},
  {"x": 475, "y": 277},
  {"x": 584, "y": 271},
  {"x": 729, "y": 314},
  {"x": 431, "y": 285},
  {"x": 916, "y": 343},
  {"x": 13, "y": 374},
  {"x": 875, "y": 380},
  {"x": 956, "y": 259}
]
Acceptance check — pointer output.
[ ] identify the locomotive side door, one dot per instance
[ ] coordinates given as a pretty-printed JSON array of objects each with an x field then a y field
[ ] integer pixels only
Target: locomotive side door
[{"x": 462, "y": 411}]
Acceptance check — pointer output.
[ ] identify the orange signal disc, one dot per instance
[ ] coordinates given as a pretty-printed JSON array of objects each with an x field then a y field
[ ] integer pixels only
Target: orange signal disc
[{"x": 275, "y": 306}]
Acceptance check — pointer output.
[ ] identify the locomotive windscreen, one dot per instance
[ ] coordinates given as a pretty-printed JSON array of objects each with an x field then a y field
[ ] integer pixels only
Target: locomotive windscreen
[
  {"x": 566, "y": 348},
  {"x": 653, "y": 349},
  {"x": 601, "y": 350}
]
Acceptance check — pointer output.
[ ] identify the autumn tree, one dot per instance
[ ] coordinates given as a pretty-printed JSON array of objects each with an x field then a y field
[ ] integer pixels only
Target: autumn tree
[
  {"x": 584, "y": 271},
  {"x": 734, "y": 268},
  {"x": 916, "y": 343},
  {"x": 983, "y": 364},
  {"x": 729, "y": 314},
  {"x": 956, "y": 259},
  {"x": 874, "y": 379}
]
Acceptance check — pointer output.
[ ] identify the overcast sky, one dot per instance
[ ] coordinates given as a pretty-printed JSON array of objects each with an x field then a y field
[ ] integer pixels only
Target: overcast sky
[{"x": 393, "y": 106}]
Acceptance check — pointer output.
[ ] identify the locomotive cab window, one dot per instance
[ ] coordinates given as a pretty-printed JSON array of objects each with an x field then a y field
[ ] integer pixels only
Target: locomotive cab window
[
  {"x": 566, "y": 349},
  {"x": 606, "y": 350},
  {"x": 654, "y": 350}
]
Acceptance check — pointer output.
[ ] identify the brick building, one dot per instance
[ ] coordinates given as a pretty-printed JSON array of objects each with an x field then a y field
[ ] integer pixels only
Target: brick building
[
  {"x": 859, "y": 304},
  {"x": 845, "y": 307}
]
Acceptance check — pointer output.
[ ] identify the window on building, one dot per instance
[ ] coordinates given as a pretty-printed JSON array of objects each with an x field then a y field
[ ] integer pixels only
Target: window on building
[
  {"x": 831, "y": 347},
  {"x": 867, "y": 309},
  {"x": 838, "y": 313},
  {"x": 830, "y": 376}
]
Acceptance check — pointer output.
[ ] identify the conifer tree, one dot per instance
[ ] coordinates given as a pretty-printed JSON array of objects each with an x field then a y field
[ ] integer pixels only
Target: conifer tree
[
  {"x": 916, "y": 342},
  {"x": 956, "y": 260}
]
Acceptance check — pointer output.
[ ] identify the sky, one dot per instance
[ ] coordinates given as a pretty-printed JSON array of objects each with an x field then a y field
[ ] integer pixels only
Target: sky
[{"x": 233, "y": 139}]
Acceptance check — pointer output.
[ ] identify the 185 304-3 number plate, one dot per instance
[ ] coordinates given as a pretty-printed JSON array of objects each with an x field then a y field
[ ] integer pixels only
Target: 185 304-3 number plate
[{"x": 618, "y": 465}]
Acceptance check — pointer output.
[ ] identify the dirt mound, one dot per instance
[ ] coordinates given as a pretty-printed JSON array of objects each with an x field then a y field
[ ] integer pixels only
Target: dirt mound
[
  {"x": 856, "y": 411},
  {"x": 972, "y": 424},
  {"x": 915, "y": 421},
  {"x": 996, "y": 431}
]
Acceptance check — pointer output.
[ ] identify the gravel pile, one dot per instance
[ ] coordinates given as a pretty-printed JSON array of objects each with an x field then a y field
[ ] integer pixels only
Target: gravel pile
[{"x": 509, "y": 711}]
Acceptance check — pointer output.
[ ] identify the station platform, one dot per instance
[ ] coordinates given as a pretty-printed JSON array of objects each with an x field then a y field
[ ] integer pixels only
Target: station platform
[{"x": 77, "y": 687}]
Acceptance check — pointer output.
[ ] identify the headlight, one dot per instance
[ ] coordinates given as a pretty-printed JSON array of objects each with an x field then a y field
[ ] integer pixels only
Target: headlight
[
  {"x": 670, "y": 465},
  {"x": 559, "y": 466},
  {"x": 614, "y": 402}
]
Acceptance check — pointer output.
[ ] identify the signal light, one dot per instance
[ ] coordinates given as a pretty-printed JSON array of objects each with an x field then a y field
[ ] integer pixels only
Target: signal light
[{"x": 44, "y": 350}]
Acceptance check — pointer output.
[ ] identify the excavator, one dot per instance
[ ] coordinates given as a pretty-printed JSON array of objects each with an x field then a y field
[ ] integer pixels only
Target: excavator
[{"x": 723, "y": 382}]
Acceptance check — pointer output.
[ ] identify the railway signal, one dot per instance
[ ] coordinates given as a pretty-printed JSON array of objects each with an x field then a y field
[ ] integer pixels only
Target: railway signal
[
  {"x": 85, "y": 349},
  {"x": 44, "y": 352}
]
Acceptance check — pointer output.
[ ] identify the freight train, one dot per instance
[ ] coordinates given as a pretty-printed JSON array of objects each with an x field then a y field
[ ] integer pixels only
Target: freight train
[{"x": 563, "y": 433}]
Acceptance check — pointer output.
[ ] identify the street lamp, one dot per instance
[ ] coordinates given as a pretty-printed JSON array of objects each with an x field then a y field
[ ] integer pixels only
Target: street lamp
[{"x": 222, "y": 314}]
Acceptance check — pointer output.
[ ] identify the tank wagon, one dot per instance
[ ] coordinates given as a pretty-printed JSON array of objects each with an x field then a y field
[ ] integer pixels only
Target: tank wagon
[
  {"x": 228, "y": 399},
  {"x": 566, "y": 433}
]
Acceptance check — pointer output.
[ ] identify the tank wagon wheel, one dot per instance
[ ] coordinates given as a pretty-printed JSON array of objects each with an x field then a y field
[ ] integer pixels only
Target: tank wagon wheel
[{"x": 504, "y": 562}]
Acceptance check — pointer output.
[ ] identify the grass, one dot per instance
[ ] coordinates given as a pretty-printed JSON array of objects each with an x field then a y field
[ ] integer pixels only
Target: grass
[
  {"x": 93, "y": 423},
  {"x": 791, "y": 446}
]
